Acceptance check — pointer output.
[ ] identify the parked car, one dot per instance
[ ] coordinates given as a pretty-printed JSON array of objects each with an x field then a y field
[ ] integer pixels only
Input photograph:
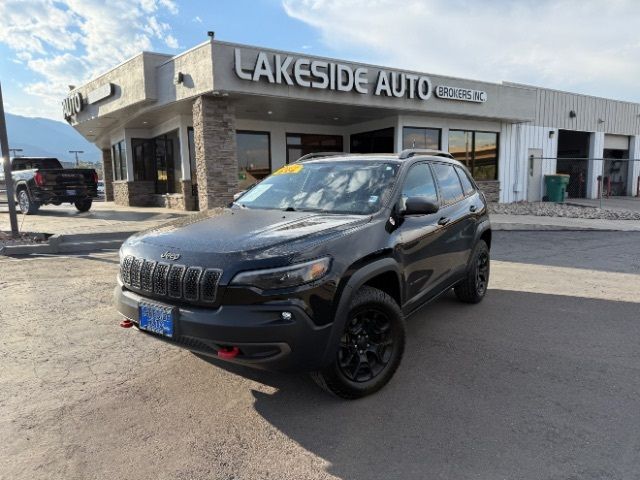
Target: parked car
[
  {"x": 315, "y": 268},
  {"x": 41, "y": 181}
]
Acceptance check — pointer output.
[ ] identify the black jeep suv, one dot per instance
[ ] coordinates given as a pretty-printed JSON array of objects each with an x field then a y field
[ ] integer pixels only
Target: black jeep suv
[{"x": 316, "y": 267}]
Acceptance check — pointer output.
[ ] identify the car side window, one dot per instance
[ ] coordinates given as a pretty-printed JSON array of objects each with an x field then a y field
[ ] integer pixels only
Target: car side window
[
  {"x": 467, "y": 186},
  {"x": 419, "y": 183},
  {"x": 449, "y": 183}
]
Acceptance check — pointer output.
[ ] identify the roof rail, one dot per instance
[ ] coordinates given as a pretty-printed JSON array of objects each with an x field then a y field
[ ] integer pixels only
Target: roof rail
[
  {"x": 412, "y": 152},
  {"x": 310, "y": 156}
]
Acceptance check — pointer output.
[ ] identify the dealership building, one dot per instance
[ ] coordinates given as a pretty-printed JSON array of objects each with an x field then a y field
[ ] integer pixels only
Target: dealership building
[{"x": 188, "y": 131}]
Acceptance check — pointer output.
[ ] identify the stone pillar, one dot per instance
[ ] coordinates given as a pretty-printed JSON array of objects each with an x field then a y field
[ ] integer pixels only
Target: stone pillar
[
  {"x": 107, "y": 174},
  {"x": 214, "y": 126}
]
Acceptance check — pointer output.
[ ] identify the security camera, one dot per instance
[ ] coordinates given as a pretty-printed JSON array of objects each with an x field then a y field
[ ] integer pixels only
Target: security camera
[{"x": 211, "y": 34}]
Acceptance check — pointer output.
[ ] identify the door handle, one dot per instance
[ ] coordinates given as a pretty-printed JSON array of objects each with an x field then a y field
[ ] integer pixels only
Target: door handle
[
  {"x": 444, "y": 221},
  {"x": 472, "y": 208}
]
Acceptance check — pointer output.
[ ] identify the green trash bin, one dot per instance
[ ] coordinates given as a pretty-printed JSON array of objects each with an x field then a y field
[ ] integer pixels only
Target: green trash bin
[{"x": 556, "y": 187}]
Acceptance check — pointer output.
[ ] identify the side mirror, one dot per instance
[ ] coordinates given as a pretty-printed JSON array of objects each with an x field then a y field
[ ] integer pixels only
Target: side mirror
[{"x": 420, "y": 206}]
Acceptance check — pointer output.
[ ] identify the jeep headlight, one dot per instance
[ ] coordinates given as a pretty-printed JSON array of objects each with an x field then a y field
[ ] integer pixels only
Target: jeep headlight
[{"x": 283, "y": 277}]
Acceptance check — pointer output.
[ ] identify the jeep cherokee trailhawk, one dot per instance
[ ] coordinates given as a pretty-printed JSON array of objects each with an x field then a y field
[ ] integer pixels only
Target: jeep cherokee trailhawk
[{"x": 314, "y": 268}]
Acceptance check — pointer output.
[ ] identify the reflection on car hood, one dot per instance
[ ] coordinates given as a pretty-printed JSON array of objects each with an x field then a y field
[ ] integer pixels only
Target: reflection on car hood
[{"x": 242, "y": 230}]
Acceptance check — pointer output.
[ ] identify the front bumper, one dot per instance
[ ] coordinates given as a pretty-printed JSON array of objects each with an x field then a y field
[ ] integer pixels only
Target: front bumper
[{"x": 264, "y": 339}]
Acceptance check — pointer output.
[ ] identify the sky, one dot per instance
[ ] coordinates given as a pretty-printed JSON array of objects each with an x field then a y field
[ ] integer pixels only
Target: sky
[{"x": 584, "y": 46}]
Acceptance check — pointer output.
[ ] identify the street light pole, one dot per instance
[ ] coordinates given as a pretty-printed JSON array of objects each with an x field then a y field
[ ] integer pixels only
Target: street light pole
[
  {"x": 8, "y": 180},
  {"x": 14, "y": 151},
  {"x": 76, "y": 152}
]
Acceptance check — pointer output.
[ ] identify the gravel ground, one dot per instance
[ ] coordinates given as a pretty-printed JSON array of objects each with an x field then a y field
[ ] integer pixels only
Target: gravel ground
[
  {"x": 24, "y": 238},
  {"x": 549, "y": 209},
  {"x": 539, "y": 381}
]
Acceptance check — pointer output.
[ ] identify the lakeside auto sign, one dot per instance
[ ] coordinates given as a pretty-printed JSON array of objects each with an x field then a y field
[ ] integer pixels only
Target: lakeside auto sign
[
  {"x": 74, "y": 103},
  {"x": 326, "y": 75}
]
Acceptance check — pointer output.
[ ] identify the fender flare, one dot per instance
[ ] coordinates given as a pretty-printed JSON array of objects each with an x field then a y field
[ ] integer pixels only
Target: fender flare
[
  {"x": 483, "y": 226},
  {"x": 357, "y": 280}
]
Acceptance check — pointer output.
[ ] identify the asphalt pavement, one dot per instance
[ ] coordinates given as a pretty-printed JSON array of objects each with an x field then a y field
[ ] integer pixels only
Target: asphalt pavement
[{"x": 539, "y": 381}]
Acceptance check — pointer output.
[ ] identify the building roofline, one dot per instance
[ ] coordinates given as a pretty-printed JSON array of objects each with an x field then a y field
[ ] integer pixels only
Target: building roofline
[
  {"x": 187, "y": 51},
  {"x": 566, "y": 92},
  {"x": 124, "y": 62},
  {"x": 380, "y": 67},
  {"x": 504, "y": 83}
]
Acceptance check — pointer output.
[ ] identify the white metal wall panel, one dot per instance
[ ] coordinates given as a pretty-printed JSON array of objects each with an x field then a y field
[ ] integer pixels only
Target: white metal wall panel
[
  {"x": 515, "y": 142},
  {"x": 592, "y": 114},
  {"x": 596, "y": 147},
  {"x": 634, "y": 168}
]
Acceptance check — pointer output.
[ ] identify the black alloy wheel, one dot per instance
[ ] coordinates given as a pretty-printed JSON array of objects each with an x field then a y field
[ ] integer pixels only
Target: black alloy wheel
[
  {"x": 366, "y": 345},
  {"x": 473, "y": 288},
  {"x": 370, "y": 348},
  {"x": 482, "y": 273}
]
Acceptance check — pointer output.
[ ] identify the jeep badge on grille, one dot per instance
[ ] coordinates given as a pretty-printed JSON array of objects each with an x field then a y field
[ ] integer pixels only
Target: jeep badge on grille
[{"x": 170, "y": 256}]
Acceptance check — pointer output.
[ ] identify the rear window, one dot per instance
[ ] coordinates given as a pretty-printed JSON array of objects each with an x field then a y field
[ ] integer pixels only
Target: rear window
[
  {"x": 467, "y": 186},
  {"x": 30, "y": 163},
  {"x": 448, "y": 182}
]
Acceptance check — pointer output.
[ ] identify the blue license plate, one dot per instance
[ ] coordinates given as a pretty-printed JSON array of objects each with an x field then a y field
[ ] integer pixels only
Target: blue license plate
[{"x": 156, "y": 319}]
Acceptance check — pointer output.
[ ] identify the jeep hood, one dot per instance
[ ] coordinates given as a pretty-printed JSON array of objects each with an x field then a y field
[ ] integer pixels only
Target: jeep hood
[{"x": 244, "y": 230}]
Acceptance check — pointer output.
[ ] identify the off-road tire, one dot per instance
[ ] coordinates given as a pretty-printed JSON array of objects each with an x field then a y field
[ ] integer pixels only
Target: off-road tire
[
  {"x": 26, "y": 205},
  {"x": 83, "y": 205},
  {"x": 367, "y": 300},
  {"x": 474, "y": 287}
]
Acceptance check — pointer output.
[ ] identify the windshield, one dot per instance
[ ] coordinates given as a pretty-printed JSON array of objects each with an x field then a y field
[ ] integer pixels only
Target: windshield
[{"x": 356, "y": 187}]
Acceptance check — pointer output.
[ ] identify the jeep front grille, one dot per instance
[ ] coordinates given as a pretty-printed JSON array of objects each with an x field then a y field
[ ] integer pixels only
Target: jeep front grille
[{"x": 193, "y": 284}]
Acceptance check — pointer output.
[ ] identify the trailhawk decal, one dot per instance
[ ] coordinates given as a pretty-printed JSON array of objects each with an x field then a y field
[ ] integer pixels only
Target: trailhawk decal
[{"x": 293, "y": 168}]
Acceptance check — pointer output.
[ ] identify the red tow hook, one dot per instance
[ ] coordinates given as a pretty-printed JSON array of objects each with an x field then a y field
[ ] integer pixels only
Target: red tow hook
[
  {"x": 126, "y": 323},
  {"x": 228, "y": 352}
]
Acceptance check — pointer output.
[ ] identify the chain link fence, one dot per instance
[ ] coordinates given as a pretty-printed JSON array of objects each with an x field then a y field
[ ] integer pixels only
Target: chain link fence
[{"x": 589, "y": 181}]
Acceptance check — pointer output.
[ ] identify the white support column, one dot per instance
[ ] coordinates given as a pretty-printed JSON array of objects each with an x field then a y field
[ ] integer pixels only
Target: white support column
[
  {"x": 634, "y": 165},
  {"x": 129, "y": 156},
  {"x": 596, "y": 150},
  {"x": 444, "y": 139},
  {"x": 184, "y": 149},
  {"x": 399, "y": 133}
]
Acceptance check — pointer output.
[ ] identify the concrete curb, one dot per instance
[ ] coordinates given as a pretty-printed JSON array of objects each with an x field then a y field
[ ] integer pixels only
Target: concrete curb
[
  {"x": 523, "y": 227},
  {"x": 70, "y": 243}
]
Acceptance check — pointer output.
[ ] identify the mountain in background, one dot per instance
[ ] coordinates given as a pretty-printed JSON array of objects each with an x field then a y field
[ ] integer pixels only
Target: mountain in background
[{"x": 41, "y": 137}]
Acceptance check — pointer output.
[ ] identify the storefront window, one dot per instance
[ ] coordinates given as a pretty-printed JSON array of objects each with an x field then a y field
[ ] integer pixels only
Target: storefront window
[
  {"x": 299, "y": 144},
  {"x": 477, "y": 150},
  {"x": 485, "y": 152},
  {"x": 143, "y": 159},
  {"x": 158, "y": 159},
  {"x": 376, "y": 141},
  {"x": 254, "y": 153},
  {"x": 119, "y": 156},
  {"x": 414, "y": 137}
]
